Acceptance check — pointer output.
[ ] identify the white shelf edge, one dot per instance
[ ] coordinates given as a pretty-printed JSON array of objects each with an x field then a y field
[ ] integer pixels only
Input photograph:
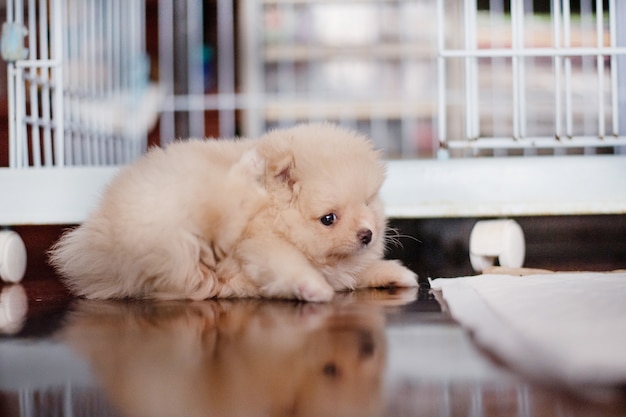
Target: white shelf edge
[
  {"x": 503, "y": 187},
  {"x": 480, "y": 187},
  {"x": 50, "y": 195}
]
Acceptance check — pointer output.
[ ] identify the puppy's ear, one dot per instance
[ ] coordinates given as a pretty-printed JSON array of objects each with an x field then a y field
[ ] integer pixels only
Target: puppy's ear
[{"x": 281, "y": 170}]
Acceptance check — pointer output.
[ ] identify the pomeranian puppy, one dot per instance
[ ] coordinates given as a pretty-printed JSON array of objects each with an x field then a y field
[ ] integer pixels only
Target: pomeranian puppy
[{"x": 294, "y": 214}]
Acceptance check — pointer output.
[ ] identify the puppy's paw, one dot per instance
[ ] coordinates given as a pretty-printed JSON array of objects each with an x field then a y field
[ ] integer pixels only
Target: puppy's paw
[
  {"x": 314, "y": 291},
  {"x": 388, "y": 274},
  {"x": 405, "y": 278},
  {"x": 302, "y": 285}
]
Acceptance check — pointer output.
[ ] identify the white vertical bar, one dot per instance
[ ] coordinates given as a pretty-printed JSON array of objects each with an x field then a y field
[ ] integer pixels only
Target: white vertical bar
[
  {"x": 496, "y": 16},
  {"x": 468, "y": 101},
  {"x": 614, "y": 68},
  {"x": 378, "y": 128},
  {"x": 141, "y": 10},
  {"x": 143, "y": 145},
  {"x": 85, "y": 53},
  {"x": 410, "y": 118},
  {"x": 101, "y": 19},
  {"x": 569, "y": 125},
  {"x": 528, "y": 120},
  {"x": 92, "y": 66},
  {"x": 600, "y": 63},
  {"x": 34, "y": 84},
  {"x": 73, "y": 79},
  {"x": 556, "y": 34},
  {"x": 21, "y": 153},
  {"x": 591, "y": 150},
  {"x": 96, "y": 45},
  {"x": 44, "y": 42},
  {"x": 317, "y": 95},
  {"x": 117, "y": 65},
  {"x": 124, "y": 66},
  {"x": 252, "y": 67},
  {"x": 114, "y": 27},
  {"x": 109, "y": 68},
  {"x": 522, "y": 69},
  {"x": 474, "y": 69},
  {"x": 77, "y": 80},
  {"x": 21, "y": 145},
  {"x": 9, "y": 6},
  {"x": 63, "y": 139},
  {"x": 515, "y": 69},
  {"x": 441, "y": 77},
  {"x": 226, "y": 66},
  {"x": 125, "y": 69},
  {"x": 195, "y": 73},
  {"x": 11, "y": 73},
  {"x": 519, "y": 96},
  {"x": 471, "y": 80},
  {"x": 620, "y": 16},
  {"x": 286, "y": 82},
  {"x": 11, "y": 96},
  {"x": 166, "y": 64},
  {"x": 129, "y": 45},
  {"x": 588, "y": 62},
  {"x": 131, "y": 134}
]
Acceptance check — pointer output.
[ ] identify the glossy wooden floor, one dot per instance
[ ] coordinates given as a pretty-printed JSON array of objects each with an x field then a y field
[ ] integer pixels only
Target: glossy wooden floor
[{"x": 368, "y": 353}]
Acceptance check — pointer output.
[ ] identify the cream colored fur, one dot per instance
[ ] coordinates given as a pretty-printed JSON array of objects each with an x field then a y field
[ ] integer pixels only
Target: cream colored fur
[
  {"x": 238, "y": 218},
  {"x": 233, "y": 357}
]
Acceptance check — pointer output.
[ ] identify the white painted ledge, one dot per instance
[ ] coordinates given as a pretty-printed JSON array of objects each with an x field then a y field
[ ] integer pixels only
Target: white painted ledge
[
  {"x": 50, "y": 195},
  {"x": 489, "y": 187},
  {"x": 501, "y": 187}
]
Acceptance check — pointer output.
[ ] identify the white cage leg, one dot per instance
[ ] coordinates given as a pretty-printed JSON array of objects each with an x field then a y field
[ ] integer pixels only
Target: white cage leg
[
  {"x": 497, "y": 239},
  {"x": 12, "y": 256}
]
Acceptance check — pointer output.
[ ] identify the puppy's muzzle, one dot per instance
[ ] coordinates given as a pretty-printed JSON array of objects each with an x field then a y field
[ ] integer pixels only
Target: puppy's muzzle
[{"x": 365, "y": 236}]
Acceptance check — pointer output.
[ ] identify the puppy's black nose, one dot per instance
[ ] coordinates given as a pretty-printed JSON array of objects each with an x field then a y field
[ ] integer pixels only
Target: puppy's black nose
[{"x": 365, "y": 236}]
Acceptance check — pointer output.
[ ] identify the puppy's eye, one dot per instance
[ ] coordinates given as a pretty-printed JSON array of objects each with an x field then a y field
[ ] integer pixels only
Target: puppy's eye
[{"x": 328, "y": 219}]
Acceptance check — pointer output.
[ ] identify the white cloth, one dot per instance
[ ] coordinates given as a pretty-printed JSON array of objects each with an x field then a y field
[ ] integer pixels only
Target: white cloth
[{"x": 565, "y": 328}]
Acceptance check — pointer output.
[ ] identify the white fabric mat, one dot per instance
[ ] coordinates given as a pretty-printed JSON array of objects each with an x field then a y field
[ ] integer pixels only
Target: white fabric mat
[{"x": 565, "y": 328}]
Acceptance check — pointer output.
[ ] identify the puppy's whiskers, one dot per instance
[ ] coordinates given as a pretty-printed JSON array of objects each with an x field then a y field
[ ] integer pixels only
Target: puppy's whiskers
[{"x": 393, "y": 236}]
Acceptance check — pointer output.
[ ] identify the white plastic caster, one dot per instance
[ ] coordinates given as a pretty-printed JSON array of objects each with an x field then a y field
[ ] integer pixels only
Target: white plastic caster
[
  {"x": 497, "y": 239},
  {"x": 12, "y": 256},
  {"x": 13, "y": 309}
]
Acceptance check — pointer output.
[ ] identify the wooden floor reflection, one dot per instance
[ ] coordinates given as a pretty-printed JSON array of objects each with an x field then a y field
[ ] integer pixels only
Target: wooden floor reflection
[{"x": 368, "y": 353}]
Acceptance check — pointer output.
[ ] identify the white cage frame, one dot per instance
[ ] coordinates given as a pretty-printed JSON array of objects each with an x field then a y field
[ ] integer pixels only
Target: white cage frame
[
  {"x": 79, "y": 104},
  {"x": 608, "y": 49},
  {"x": 79, "y": 107}
]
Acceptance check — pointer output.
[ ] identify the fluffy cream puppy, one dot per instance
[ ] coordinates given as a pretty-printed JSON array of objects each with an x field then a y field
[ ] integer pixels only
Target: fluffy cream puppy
[{"x": 293, "y": 214}]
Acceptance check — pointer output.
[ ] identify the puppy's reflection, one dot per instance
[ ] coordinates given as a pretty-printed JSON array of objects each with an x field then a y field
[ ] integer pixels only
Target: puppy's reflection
[{"x": 233, "y": 358}]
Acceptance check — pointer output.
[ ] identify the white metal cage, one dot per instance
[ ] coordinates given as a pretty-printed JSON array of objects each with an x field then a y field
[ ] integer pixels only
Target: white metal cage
[
  {"x": 532, "y": 81},
  {"x": 79, "y": 104},
  {"x": 78, "y": 76},
  {"x": 510, "y": 78}
]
